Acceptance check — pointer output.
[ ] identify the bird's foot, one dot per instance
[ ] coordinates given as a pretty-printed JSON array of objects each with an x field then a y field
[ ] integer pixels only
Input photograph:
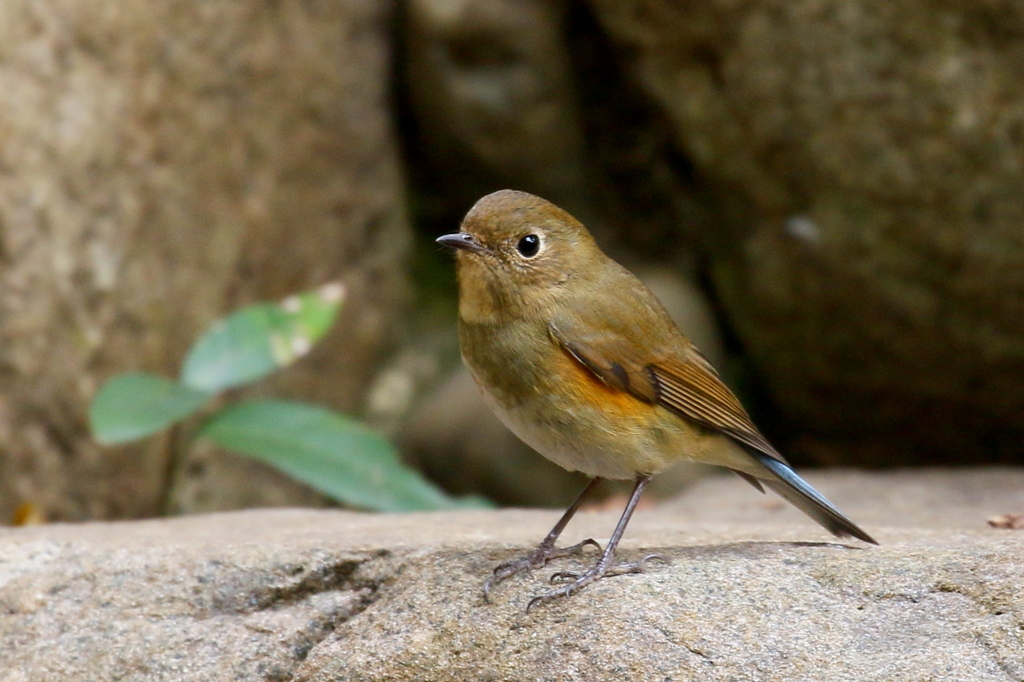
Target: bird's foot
[
  {"x": 577, "y": 581},
  {"x": 535, "y": 559}
]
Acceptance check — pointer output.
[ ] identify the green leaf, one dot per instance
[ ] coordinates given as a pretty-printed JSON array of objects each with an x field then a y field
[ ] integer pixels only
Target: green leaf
[
  {"x": 132, "y": 406},
  {"x": 258, "y": 339},
  {"x": 333, "y": 453}
]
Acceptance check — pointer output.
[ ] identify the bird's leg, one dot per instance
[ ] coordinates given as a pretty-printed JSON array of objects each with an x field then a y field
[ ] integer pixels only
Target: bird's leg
[
  {"x": 545, "y": 551},
  {"x": 604, "y": 566}
]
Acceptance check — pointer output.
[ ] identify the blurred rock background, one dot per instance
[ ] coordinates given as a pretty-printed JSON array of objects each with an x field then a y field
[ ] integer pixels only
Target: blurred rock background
[
  {"x": 825, "y": 194},
  {"x": 161, "y": 164}
]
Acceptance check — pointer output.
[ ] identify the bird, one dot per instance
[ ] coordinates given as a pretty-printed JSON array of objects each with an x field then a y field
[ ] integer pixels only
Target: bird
[{"x": 581, "y": 361}]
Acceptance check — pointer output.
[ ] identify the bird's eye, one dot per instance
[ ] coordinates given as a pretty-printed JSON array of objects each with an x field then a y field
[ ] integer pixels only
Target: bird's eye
[{"x": 529, "y": 245}]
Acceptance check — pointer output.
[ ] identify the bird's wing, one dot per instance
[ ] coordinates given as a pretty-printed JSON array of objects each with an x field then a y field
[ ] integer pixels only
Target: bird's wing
[
  {"x": 691, "y": 387},
  {"x": 676, "y": 377}
]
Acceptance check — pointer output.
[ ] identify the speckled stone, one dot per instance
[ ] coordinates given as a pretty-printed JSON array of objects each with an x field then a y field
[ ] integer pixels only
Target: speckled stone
[
  {"x": 864, "y": 161},
  {"x": 330, "y": 595},
  {"x": 162, "y": 164}
]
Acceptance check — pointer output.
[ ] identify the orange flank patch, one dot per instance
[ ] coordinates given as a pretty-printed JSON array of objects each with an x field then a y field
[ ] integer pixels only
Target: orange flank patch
[{"x": 589, "y": 389}]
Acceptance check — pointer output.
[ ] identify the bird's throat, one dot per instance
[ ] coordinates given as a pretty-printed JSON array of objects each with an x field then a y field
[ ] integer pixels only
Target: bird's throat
[{"x": 481, "y": 298}]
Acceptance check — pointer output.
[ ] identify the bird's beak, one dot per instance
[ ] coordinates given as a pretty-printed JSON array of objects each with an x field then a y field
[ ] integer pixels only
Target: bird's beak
[{"x": 463, "y": 241}]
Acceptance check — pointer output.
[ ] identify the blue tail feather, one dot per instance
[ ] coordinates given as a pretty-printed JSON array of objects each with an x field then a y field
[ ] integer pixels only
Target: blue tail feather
[{"x": 799, "y": 492}]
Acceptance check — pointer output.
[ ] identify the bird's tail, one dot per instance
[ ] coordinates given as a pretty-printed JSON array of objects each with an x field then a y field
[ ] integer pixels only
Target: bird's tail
[{"x": 799, "y": 492}]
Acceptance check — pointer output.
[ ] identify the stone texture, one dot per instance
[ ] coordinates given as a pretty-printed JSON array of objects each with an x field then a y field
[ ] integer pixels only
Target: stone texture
[
  {"x": 530, "y": 95},
  {"x": 865, "y": 161},
  {"x": 330, "y": 595},
  {"x": 491, "y": 90},
  {"x": 961, "y": 499},
  {"x": 162, "y": 164}
]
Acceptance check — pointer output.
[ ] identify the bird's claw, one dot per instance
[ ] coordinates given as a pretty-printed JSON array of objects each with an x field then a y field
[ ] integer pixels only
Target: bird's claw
[
  {"x": 536, "y": 559},
  {"x": 636, "y": 566},
  {"x": 581, "y": 580}
]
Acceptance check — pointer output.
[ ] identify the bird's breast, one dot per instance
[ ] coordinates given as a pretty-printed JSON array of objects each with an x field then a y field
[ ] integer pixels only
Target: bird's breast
[{"x": 564, "y": 411}]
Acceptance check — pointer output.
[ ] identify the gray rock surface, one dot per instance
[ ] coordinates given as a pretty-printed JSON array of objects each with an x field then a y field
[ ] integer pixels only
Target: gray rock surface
[
  {"x": 864, "y": 161},
  {"x": 161, "y": 164},
  {"x": 328, "y": 595},
  {"x": 961, "y": 499},
  {"x": 492, "y": 91}
]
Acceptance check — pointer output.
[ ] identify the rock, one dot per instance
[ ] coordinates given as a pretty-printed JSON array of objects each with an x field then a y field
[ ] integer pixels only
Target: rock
[
  {"x": 164, "y": 164},
  {"x": 529, "y": 95},
  {"x": 186, "y": 599},
  {"x": 332, "y": 595},
  {"x": 864, "y": 164},
  {"x": 491, "y": 90},
  {"x": 961, "y": 499}
]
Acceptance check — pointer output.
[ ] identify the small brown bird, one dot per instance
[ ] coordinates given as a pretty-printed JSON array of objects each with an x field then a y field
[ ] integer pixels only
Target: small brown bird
[{"x": 580, "y": 360}]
